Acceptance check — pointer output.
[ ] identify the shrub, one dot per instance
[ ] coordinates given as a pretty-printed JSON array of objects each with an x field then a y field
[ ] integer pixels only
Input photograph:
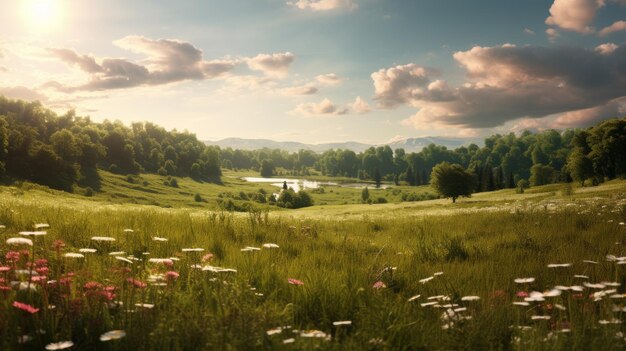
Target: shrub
[
  {"x": 197, "y": 198},
  {"x": 89, "y": 192}
]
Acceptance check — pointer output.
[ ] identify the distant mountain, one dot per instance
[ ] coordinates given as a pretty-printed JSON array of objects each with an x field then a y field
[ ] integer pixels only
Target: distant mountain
[
  {"x": 291, "y": 146},
  {"x": 408, "y": 144}
]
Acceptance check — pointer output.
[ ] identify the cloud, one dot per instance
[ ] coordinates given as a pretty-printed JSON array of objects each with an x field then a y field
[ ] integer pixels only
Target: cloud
[
  {"x": 360, "y": 106},
  {"x": 3, "y": 69},
  {"x": 275, "y": 65},
  {"x": 328, "y": 79},
  {"x": 505, "y": 83},
  {"x": 86, "y": 63},
  {"x": 590, "y": 116},
  {"x": 167, "y": 61},
  {"x": 552, "y": 34},
  {"x": 324, "y": 107},
  {"x": 324, "y": 5},
  {"x": 615, "y": 27},
  {"x": 23, "y": 93},
  {"x": 574, "y": 15},
  {"x": 300, "y": 90},
  {"x": 606, "y": 49},
  {"x": 529, "y": 31}
]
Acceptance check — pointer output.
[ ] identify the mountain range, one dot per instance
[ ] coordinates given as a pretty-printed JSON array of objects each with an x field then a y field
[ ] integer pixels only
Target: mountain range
[{"x": 408, "y": 144}]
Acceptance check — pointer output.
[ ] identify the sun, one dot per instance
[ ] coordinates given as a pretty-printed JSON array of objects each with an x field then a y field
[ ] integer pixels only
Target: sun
[{"x": 43, "y": 14}]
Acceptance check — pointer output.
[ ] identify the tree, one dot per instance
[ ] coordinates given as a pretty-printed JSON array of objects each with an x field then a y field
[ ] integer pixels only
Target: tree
[
  {"x": 377, "y": 177},
  {"x": 267, "y": 168},
  {"x": 365, "y": 194},
  {"x": 579, "y": 166},
  {"x": 541, "y": 174},
  {"x": 452, "y": 180}
]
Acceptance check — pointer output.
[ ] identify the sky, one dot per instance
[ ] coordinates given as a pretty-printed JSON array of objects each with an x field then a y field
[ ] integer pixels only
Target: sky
[{"x": 320, "y": 71}]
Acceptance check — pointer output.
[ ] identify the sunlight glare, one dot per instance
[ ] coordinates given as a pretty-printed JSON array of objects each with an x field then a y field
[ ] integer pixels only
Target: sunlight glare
[{"x": 43, "y": 14}]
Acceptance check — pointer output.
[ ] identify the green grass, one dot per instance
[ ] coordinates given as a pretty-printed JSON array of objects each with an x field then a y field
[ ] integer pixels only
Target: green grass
[{"x": 481, "y": 244}]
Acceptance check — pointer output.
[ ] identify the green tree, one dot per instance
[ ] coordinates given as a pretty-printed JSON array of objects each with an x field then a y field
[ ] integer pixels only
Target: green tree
[
  {"x": 377, "y": 177},
  {"x": 541, "y": 174},
  {"x": 365, "y": 194},
  {"x": 579, "y": 166},
  {"x": 452, "y": 180},
  {"x": 267, "y": 168}
]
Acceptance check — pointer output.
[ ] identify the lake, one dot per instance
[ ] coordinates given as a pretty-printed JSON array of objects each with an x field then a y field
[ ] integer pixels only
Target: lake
[{"x": 303, "y": 184}]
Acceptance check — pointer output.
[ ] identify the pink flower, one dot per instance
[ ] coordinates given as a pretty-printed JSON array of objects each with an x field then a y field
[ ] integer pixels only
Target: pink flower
[
  {"x": 4, "y": 269},
  {"x": 379, "y": 285},
  {"x": 522, "y": 294},
  {"x": 295, "y": 281},
  {"x": 207, "y": 257},
  {"x": 25, "y": 307},
  {"x": 92, "y": 286},
  {"x": 12, "y": 256},
  {"x": 171, "y": 275},
  {"x": 137, "y": 283},
  {"x": 58, "y": 245}
]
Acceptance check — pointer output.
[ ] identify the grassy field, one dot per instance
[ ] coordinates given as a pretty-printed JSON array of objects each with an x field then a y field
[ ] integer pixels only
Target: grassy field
[{"x": 427, "y": 275}]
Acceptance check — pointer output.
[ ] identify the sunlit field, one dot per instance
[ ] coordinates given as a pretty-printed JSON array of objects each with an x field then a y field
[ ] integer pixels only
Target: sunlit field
[{"x": 535, "y": 271}]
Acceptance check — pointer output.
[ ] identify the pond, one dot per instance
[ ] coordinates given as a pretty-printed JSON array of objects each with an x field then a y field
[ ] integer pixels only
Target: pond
[{"x": 303, "y": 184}]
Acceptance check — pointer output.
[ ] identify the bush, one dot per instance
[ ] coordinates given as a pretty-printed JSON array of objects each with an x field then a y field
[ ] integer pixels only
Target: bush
[
  {"x": 290, "y": 199},
  {"x": 522, "y": 184},
  {"x": 380, "y": 200},
  {"x": 89, "y": 192},
  {"x": 162, "y": 172},
  {"x": 197, "y": 198},
  {"x": 174, "y": 183}
]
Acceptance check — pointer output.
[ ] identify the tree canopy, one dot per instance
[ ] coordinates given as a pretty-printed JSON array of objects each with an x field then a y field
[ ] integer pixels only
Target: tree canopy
[{"x": 452, "y": 180}]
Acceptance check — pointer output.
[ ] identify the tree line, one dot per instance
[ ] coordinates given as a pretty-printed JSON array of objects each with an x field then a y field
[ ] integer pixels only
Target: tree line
[
  {"x": 62, "y": 151},
  {"x": 596, "y": 153}
]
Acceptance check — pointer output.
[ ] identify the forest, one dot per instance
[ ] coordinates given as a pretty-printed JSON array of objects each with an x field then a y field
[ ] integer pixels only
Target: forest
[{"x": 62, "y": 151}]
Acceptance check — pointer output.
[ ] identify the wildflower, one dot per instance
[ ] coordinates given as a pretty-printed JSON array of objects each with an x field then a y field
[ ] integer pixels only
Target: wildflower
[
  {"x": 314, "y": 334},
  {"x": 524, "y": 280},
  {"x": 207, "y": 257},
  {"x": 25, "y": 307},
  {"x": 250, "y": 248},
  {"x": 124, "y": 259},
  {"x": 19, "y": 241},
  {"x": 128, "y": 231},
  {"x": 92, "y": 286},
  {"x": 156, "y": 238},
  {"x": 58, "y": 244},
  {"x": 5, "y": 268},
  {"x": 112, "y": 335},
  {"x": 12, "y": 256},
  {"x": 295, "y": 281},
  {"x": 590, "y": 262},
  {"x": 379, "y": 285},
  {"x": 559, "y": 265},
  {"x": 289, "y": 341},
  {"x": 426, "y": 280},
  {"x": 59, "y": 345},
  {"x": 117, "y": 253},
  {"x": 594, "y": 286},
  {"x": 36, "y": 233},
  {"x": 432, "y": 303},
  {"x": 42, "y": 225},
  {"x": 579, "y": 276},
  {"x": 521, "y": 303},
  {"x": 87, "y": 250},
  {"x": 342, "y": 323},
  {"x": 171, "y": 275},
  {"x": 196, "y": 249},
  {"x": 163, "y": 261},
  {"x": 470, "y": 298},
  {"x": 437, "y": 273},
  {"x": 413, "y": 298},
  {"x": 74, "y": 255},
  {"x": 145, "y": 305},
  {"x": 274, "y": 331},
  {"x": 545, "y": 318},
  {"x": 522, "y": 294},
  {"x": 137, "y": 283},
  {"x": 102, "y": 238},
  {"x": 270, "y": 246}
]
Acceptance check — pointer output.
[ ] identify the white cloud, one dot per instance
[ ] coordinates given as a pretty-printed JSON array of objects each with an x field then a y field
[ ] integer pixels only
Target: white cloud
[
  {"x": 328, "y": 79},
  {"x": 606, "y": 49},
  {"x": 276, "y": 65},
  {"x": 574, "y": 15},
  {"x": 324, "y": 107},
  {"x": 300, "y": 90},
  {"x": 360, "y": 106},
  {"x": 615, "y": 27},
  {"x": 552, "y": 34},
  {"x": 324, "y": 5}
]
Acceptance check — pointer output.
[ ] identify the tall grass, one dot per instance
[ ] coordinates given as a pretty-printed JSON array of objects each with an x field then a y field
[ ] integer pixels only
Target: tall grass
[{"x": 362, "y": 270}]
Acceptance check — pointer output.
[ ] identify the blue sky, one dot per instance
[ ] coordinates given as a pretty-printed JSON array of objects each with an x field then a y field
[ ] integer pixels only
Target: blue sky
[{"x": 321, "y": 70}]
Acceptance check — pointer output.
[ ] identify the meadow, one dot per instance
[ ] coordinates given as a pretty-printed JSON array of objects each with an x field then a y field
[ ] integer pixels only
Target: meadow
[{"x": 541, "y": 270}]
